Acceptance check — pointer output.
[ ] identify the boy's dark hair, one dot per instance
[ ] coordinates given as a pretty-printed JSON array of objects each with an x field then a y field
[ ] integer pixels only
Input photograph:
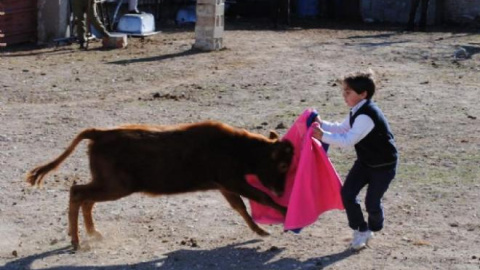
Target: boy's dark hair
[{"x": 361, "y": 82}]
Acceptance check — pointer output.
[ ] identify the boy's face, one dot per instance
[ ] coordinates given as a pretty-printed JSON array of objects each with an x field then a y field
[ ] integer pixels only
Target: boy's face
[{"x": 351, "y": 97}]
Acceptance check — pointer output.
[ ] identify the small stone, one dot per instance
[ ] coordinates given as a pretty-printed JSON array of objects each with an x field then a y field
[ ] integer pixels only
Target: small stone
[
  {"x": 280, "y": 126},
  {"x": 461, "y": 53},
  {"x": 273, "y": 248},
  {"x": 193, "y": 242},
  {"x": 15, "y": 253},
  {"x": 453, "y": 224}
]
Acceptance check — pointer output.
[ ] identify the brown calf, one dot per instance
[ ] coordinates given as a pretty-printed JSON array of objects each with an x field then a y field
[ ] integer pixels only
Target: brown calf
[{"x": 174, "y": 159}]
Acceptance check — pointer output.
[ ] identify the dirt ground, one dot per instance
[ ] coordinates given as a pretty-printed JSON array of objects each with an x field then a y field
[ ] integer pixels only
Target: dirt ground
[{"x": 429, "y": 87}]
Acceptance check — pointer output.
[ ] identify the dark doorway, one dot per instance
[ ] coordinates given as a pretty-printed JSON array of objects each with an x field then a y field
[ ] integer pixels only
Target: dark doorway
[{"x": 340, "y": 10}]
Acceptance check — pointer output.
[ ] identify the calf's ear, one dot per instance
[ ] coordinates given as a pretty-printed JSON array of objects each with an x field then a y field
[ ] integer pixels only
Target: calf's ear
[{"x": 273, "y": 135}]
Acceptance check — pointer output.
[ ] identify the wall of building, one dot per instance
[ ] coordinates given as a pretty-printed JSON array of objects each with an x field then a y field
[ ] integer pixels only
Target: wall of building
[
  {"x": 461, "y": 11},
  {"x": 394, "y": 11},
  {"x": 52, "y": 20}
]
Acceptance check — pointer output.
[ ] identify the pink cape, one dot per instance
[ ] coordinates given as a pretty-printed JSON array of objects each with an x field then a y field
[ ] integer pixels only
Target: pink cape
[{"x": 312, "y": 185}]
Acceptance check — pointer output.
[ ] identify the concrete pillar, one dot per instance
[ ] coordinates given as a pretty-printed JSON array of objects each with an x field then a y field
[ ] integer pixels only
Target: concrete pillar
[
  {"x": 53, "y": 18},
  {"x": 210, "y": 25}
]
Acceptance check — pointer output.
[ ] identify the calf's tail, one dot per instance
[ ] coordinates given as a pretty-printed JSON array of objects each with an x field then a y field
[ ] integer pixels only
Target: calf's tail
[{"x": 35, "y": 176}]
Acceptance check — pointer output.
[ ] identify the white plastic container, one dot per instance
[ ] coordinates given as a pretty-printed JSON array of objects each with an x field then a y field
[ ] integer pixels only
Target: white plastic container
[{"x": 136, "y": 23}]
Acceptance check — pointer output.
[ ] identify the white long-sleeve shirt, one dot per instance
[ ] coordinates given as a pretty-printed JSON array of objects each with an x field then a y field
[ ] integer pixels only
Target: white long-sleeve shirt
[{"x": 341, "y": 134}]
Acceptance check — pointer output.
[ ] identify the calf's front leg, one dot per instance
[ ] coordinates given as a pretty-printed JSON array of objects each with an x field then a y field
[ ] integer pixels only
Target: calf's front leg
[
  {"x": 237, "y": 203},
  {"x": 257, "y": 195}
]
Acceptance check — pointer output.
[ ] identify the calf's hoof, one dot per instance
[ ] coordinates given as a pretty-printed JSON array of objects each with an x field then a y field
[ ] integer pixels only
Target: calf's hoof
[
  {"x": 96, "y": 235},
  {"x": 75, "y": 245}
]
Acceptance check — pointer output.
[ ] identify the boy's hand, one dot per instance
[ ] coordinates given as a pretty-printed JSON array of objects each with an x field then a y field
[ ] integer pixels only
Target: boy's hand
[{"x": 317, "y": 133}]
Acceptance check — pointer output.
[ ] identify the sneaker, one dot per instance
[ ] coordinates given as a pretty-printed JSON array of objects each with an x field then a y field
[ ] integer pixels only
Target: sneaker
[
  {"x": 355, "y": 237},
  {"x": 360, "y": 239}
]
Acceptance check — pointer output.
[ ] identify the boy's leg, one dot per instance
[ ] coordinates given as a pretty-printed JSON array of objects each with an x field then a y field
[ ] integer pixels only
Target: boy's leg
[
  {"x": 78, "y": 9},
  {"x": 378, "y": 185},
  {"x": 355, "y": 181},
  {"x": 133, "y": 6}
]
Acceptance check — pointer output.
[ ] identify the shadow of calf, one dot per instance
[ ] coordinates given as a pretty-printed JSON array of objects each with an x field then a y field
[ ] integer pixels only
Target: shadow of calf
[{"x": 234, "y": 256}]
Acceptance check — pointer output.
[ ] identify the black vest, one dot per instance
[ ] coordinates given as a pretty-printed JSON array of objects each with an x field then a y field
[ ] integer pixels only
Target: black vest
[{"x": 377, "y": 149}]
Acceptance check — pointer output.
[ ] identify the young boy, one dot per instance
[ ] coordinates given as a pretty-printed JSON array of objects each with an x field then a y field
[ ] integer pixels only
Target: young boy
[{"x": 367, "y": 129}]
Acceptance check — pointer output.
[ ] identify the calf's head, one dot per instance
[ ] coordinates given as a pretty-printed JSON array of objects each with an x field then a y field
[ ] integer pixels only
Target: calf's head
[{"x": 274, "y": 165}]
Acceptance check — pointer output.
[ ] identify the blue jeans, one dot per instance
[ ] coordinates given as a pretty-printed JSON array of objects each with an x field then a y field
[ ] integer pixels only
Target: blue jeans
[{"x": 378, "y": 180}]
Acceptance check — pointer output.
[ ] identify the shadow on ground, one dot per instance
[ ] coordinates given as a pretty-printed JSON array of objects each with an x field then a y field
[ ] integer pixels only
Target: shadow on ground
[
  {"x": 158, "y": 58},
  {"x": 471, "y": 50},
  {"x": 235, "y": 256},
  {"x": 265, "y": 24}
]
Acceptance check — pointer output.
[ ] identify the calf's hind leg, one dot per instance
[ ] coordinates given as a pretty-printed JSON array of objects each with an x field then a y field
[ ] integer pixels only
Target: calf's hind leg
[
  {"x": 87, "y": 209},
  {"x": 85, "y": 196},
  {"x": 236, "y": 203}
]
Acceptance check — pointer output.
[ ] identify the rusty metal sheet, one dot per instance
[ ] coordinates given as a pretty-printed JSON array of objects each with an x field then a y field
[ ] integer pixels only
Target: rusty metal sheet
[{"x": 18, "y": 21}]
